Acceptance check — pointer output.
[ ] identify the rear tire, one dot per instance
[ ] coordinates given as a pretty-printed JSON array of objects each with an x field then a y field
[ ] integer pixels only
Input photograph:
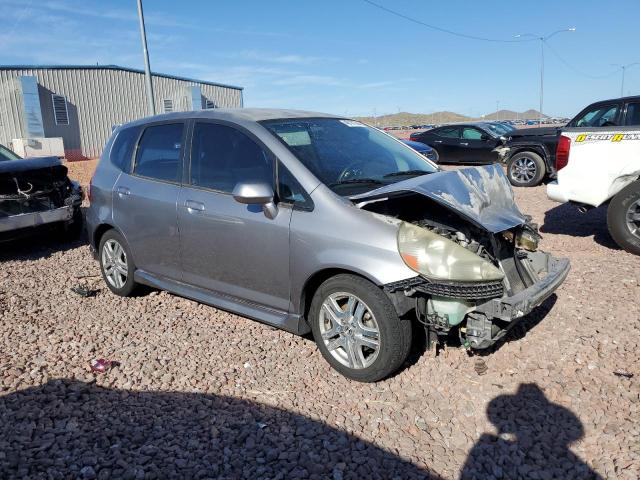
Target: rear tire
[
  {"x": 357, "y": 328},
  {"x": 623, "y": 218},
  {"x": 116, "y": 264},
  {"x": 526, "y": 169}
]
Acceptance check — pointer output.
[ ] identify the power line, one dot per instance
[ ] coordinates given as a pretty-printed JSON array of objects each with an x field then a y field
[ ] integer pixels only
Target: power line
[
  {"x": 576, "y": 70},
  {"x": 443, "y": 30}
]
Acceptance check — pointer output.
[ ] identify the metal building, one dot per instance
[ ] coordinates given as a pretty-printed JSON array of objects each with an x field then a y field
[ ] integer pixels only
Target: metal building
[{"x": 46, "y": 108}]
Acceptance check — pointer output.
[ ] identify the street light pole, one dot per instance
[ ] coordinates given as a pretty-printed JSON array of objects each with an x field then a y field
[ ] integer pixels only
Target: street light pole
[
  {"x": 624, "y": 70},
  {"x": 543, "y": 39},
  {"x": 147, "y": 68}
]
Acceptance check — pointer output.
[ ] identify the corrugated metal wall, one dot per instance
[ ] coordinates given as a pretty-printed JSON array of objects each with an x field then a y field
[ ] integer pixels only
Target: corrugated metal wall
[{"x": 97, "y": 99}]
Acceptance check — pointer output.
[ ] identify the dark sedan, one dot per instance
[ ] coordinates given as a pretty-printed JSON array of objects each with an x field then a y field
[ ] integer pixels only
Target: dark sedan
[
  {"x": 472, "y": 143},
  {"x": 422, "y": 149}
]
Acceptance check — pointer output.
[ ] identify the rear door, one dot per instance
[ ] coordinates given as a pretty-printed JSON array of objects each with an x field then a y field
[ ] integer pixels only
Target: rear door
[
  {"x": 445, "y": 140},
  {"x": 476, "y": 146},
  {"x": 228, "y": 247},
  {"x": 145, "y": 196}
]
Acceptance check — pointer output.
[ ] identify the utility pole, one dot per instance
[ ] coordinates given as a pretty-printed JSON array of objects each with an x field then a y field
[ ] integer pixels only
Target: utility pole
[
  {"x": 543, "y": 39},
  {"x": 147, "y": 68},
  {"x": 498, "y": 110},
  {"x": 624, "y": 70}
]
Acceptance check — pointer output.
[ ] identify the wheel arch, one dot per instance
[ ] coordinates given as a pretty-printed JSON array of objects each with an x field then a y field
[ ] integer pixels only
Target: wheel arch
[
  {"x": 316, "y": 279},
  {"x": 540, "y": 150}
]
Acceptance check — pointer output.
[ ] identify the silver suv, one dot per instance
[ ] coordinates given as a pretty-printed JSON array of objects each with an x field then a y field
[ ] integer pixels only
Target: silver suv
[{"x": 319, "y": 224}]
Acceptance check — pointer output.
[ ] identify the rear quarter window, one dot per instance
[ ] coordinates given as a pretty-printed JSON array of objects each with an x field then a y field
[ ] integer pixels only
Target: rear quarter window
[{"x": 122, "y": 149}]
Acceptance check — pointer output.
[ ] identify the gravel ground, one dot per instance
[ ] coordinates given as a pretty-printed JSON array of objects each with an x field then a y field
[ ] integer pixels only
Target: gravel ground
[{"x": 202, "y": 393}]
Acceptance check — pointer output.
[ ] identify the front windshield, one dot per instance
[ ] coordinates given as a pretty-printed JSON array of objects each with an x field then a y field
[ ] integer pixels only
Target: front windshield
[
  {"x": 497, "y": 128},
  {"x": 348, "y": 156},
  {"x": 6, "y": 154}
]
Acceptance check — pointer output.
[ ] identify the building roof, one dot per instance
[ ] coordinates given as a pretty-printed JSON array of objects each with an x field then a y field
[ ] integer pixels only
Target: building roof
[
  {"x": 112, "y": 67},
  {"x": 236, "y": 114}
]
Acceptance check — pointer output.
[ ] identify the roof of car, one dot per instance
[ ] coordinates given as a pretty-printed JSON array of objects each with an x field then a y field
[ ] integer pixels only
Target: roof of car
[
  {"x": 482, "y": 125},
  {"x": 619, "y": 99},
  {"x": 236, "y": 114}
]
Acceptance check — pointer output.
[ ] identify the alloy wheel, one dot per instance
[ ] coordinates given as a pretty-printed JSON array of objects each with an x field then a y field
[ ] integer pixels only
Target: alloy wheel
[
  {"x": 349, "y": 330},
  {"x": 523, "y": 169},
  {"x": 633, "y": 218},
  {"x": 114, "y": 263}
]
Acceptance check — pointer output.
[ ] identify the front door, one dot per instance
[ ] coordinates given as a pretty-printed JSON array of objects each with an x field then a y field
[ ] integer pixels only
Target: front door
[
  {"x": 228, "y": 247},
  {"x": 475, "y": 147},
  {"x": 144, "y": 200}
]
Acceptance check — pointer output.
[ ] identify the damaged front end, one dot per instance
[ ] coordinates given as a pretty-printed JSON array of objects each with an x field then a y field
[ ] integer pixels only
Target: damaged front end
[
  {"x": 476, "y": 255},
  {"x": 36, "y": 192}
]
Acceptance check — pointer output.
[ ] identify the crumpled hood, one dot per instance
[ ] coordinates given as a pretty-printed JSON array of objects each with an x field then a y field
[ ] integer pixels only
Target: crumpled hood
[
  {"x": 28, "y": 164},
  {"x": 483, "y": 195}
]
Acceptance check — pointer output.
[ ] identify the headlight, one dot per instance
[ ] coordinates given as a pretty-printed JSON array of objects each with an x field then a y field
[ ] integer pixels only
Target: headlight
[
  {"x": 438, "y": 258},
  {"x": 527, "y": 240}
]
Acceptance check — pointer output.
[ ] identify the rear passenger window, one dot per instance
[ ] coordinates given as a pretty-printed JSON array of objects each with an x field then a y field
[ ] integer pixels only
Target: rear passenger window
[
  {"x": 122, "y": 149},
  {"x": 449, "y": 132},
  {"x": 633, "y": 114},
  {"x": 158, "y": 154},
  {"x": 222, "y": 156}
]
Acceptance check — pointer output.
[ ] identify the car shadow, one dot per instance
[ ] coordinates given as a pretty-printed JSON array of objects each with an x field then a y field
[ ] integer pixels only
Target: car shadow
[
  {"x": 72, "y": 429},
  {"x": 533, "y": 440},
  {"x": 566, "y": 219},
  {"x": 40, "y": 242}
]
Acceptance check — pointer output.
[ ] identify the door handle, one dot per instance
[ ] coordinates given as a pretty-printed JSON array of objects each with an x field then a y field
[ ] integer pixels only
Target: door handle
[
  {"x": 194, "y": 207},
  {"x": 123, "y": 191},
  {"x": 437, "y": 141},
  {"x": 464, "y": 143}
]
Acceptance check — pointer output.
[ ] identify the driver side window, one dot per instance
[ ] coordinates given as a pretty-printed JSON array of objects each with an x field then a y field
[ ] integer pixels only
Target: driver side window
[
  {"x": 471, "y": 134},
  {"x": 600, "y": 116}
]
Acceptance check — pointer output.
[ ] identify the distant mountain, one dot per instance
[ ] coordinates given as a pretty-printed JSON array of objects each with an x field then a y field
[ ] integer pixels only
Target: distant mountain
[
  {"x": 511, "y": 115},
  {"x": 406, "y": 118}
]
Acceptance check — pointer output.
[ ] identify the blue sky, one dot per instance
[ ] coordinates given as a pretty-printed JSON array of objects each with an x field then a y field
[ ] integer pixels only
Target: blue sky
[{"x": 348, "y": 57}]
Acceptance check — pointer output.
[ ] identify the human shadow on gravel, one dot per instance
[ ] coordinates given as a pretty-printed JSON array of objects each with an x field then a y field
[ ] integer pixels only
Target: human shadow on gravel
[
  {"x": 71, "y": 429},
  {"x": 533, "y": 440},
  {"x": 566, "y": 219}
]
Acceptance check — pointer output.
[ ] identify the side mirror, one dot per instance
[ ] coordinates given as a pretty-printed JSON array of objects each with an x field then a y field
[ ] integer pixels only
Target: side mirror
[
  {"x": 256, "y": 193},
  {"x": 485, "y": 137}
]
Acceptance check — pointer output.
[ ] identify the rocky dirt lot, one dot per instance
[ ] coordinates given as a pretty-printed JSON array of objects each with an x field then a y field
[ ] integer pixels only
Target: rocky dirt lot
[{"x": 202, "y": 393}]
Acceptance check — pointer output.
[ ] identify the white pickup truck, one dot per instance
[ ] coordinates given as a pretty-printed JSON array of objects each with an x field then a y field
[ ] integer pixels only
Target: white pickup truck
[{"x": 599, "y": 165}]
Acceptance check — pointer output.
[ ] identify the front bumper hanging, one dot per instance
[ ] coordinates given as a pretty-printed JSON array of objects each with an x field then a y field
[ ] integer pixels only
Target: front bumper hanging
[{"x": 520, "y": 304}]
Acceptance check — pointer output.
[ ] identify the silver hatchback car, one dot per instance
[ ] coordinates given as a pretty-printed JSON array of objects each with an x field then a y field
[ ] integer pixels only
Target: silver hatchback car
[{"x": 314, "y": 223}]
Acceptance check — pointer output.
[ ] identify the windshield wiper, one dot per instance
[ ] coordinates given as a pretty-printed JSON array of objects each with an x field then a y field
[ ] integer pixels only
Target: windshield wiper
[
  {"x": 370, "y": 181},
  {"x": 407, "y": 172}
]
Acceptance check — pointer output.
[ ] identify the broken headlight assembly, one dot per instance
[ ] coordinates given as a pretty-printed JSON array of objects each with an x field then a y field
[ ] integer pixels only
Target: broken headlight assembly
[
  {"x": 524, "y": 239},
  {"x": 438, "y": 258},
  {"x": 527, "y": 240}
]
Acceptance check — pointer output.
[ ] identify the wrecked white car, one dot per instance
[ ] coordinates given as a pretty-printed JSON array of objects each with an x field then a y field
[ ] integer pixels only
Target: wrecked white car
[{"x": 37, "y": 193}]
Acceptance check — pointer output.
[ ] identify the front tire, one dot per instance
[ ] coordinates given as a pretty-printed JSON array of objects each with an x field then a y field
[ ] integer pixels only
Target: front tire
[
  {"x": 623, "y": 218},
  {"x": 357, "y": 328},
  {"x": 116, "y": 264},
  {"x": 526, "y": 169}
]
